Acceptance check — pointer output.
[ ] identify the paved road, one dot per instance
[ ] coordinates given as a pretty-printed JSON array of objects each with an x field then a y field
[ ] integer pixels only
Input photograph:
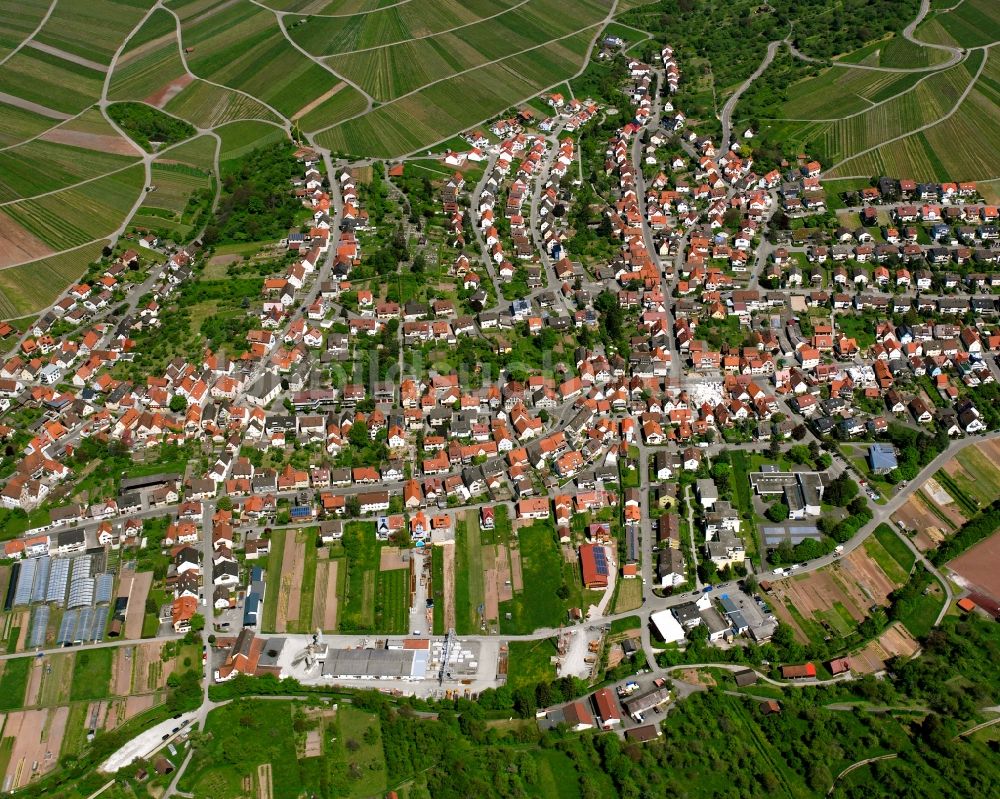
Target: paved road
[
  {"x": 147, "y": 742},
  {"x": 727, "y": 110}
]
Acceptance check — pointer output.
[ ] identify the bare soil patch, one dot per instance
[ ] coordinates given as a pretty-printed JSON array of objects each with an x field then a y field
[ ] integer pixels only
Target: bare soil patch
[
  {"x": 695, "y": 677},
  {"x": 516, "y": 578},
  {"x": 34, "y": 689},
  {"x": 135, "y": 705},
  {"x": 90, "y": 141},
  {"x": 391, "y": 558},
  {"x": 18, "y": 245},
  {"x": 37, "y": 738},
  {"x": 869, "y": 582},
  {"x": 916, "y": 514},
  {"x": 505, "y": 588},
  {"x": 169, "y": 91},
  {"x": 978, "y": 569},
  {"x": 313, "y": 746},
  {"x": 895, "y": 641},
  {"x": 121, "y": 673}
]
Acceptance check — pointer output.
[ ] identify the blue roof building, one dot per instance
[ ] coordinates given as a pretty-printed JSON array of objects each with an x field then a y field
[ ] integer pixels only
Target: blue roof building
[{"x": 882, "y": 458}]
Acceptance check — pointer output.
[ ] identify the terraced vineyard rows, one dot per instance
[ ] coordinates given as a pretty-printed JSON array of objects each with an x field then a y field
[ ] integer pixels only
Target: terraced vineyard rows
[
  {"x": 417, "y": 120},
  {"x": 935, "y": 96},
  {"x": 97, "y": 210},
  {"x": 207, "y": 106}
]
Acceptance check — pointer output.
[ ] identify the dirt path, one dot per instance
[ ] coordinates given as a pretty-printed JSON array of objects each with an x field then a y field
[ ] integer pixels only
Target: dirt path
[
  {"x": 134, "y": 614},
  {"x": 448, "y": 550},
  {"x": 491, "y": 598},
  {"x": 71, "y": 57},
  {"x": 34, "y": 689},
  {"x": 27, "y": 105},
  {"x": 17, "y": 244},
  {"x": 121, "y": 673},
  {"x": 290, "y": 592},
  {"x": 726, "y": 116},
  {"x": 319, "y": 100},
  {"x": 325, "y": 598},
  {"x": 265, "y": 787}
]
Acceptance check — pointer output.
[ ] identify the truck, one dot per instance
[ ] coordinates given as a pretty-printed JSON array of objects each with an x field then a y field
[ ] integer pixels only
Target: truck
[
  {"x": 779, "y": 572},
  {"x": 838, "y": 550}
]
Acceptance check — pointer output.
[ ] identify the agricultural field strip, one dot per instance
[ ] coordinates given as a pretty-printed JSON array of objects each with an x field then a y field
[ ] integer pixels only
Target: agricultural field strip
[
  {"x": 872, "y": 105},
  {"x": 599, "y": 25},
  {"x": 316, "y": 60},
  {"x": 390, "y": 74},
  {"x": 188, "y": 69},
  {"x": 70, "y": 186},
  {"x": 965, "y": 93},
  {"x": 346, "y": 14},
  {"x": 24, "y": 42},
  {"x": 40, "y": 134},
  {"x": 500, "y": 13}
]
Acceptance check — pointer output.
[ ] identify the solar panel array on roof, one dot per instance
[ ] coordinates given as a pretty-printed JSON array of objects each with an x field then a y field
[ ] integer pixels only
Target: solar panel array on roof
[
  {"x": 601, "y": 560},
  {"x": 41, "y": 584},
  {"x": 39, "y": 624},
  {"x": 67, "y": 627},
  {"x": 25, "y": 580},
  {"x": 104, "y": 588},
  {"x": 58, "y": 578}
]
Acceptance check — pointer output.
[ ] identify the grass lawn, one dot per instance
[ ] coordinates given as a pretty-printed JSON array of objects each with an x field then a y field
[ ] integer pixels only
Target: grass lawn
[
  {"x": 91, "y": 674},
  {"x": 922, "y": 615},
  {"x": 273, "y": 577},
  {"x": 13, "y": 683},
  {"x": 437, "y": 588},
  {"x": 76, "y": 733},
  {"x": 262, "y": 732},
  {"x": 885, "y": 561},
  {"x": 626, "y": 624},
  {"x": 529, "y": 662},
  {"x": 894, "y": 546},
  {"x": 629, "y": 595},
  {"x": 305, "y": 620},
  {"x": 469, "y": 579},
  {"x": 392, "y": 608},
  {"x": 362, "y": 558},
  {"x": 985, "y": 472},
  {"x": 359, "y": 741},
  {"x": 537, "y": 605}
]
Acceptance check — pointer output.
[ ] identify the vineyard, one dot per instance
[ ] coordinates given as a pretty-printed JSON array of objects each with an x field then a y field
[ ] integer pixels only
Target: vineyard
[
  {"x": 73, "y": 217},
  {"x": 29, "y": 288},
  {"x": 428, "y": 115}
]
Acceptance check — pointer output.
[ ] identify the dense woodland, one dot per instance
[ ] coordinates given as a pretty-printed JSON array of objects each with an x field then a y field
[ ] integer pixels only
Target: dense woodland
[
  {"x": 257, "y": 202},
  {"x": 146, "y": 125}
]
